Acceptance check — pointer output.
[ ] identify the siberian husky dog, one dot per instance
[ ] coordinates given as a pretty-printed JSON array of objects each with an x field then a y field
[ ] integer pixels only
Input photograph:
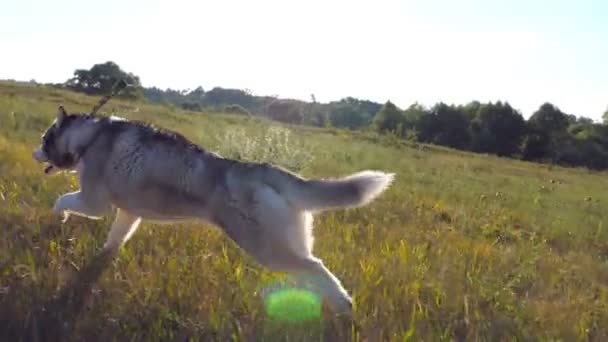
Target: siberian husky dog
[{"x": 140, "y": 172}]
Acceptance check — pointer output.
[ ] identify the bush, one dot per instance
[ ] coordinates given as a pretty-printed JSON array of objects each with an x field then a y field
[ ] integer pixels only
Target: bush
[
  {"x": 191, "y": 106},
  {"x": 273, "y": 145},
  {"x": 236, "y": 109}
]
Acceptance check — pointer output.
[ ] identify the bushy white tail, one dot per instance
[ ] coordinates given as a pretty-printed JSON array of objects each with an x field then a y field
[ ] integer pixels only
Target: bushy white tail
[{"x": 352, "y": 191}]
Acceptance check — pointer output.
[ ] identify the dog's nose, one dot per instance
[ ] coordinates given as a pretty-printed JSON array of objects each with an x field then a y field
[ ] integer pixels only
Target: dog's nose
[{"x": 37, "y": 154}]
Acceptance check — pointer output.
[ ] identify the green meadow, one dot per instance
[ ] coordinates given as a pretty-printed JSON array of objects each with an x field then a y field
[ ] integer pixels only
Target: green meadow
[{"x": 463, "y": 246}]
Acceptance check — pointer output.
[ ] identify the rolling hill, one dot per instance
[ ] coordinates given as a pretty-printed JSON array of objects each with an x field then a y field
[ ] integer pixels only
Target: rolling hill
[{"x": 463, "y": 246}]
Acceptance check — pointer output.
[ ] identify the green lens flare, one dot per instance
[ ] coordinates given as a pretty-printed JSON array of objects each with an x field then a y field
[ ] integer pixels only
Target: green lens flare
[{"x": 293, "y": 305}]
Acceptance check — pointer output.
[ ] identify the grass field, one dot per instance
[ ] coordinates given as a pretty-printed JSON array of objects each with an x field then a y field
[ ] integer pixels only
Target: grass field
[{"x": 461, "y": 247}]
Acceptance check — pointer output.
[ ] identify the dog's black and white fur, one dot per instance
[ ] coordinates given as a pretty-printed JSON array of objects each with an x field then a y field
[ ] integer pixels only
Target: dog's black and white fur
[{"x": 144, "y": 173}]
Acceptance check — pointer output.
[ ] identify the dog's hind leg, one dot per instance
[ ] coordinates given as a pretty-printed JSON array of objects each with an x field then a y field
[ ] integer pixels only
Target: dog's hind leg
[
  {"x": 280, "y": 238},
  {"x": 311, "y": 273},
  {"x": 292, "y": 253}
]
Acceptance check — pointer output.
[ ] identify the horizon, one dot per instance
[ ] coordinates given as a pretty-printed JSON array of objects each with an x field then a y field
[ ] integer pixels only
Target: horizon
[{"x": 516, "y": 52}]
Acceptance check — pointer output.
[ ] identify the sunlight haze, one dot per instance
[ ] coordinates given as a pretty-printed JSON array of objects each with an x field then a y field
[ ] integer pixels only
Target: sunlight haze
[{"x": 523, "y": 52}]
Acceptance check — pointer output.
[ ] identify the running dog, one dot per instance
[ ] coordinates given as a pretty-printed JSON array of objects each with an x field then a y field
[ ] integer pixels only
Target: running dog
[{"x": 141, "y": 172}]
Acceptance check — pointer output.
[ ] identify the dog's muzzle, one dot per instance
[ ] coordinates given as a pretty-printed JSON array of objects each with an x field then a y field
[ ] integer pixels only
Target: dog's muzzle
[{"x": 40, "y": 156}]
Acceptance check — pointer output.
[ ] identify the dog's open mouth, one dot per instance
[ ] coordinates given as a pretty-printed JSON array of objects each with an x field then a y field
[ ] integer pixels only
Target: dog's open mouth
[
  {"x": 66, "y": 162},
  {"x": 48, "y": 169}
]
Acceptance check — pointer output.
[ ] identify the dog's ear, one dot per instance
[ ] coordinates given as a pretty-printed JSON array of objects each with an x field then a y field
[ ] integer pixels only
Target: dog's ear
[{"x": 61, "y": 114}]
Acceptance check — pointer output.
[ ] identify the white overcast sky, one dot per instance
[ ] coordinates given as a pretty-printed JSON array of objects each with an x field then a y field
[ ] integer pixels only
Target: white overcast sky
[{"x": 522, "y": 51}]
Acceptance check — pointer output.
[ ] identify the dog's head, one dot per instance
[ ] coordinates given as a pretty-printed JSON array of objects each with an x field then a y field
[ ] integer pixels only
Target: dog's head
[{"x": 57, "y": 143}]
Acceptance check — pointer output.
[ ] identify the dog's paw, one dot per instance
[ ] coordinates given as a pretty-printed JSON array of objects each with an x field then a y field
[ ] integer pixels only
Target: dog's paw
[
  {"x": 343, "y": 306},
  {"x": 66, "y": 216}
]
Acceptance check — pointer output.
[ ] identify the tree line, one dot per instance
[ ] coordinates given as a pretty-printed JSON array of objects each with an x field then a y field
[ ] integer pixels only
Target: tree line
[{"x": 548, "y": 135}]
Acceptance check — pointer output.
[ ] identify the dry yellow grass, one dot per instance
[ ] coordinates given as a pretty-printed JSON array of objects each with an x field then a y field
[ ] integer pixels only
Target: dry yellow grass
[{"x": 462, "y": 246}]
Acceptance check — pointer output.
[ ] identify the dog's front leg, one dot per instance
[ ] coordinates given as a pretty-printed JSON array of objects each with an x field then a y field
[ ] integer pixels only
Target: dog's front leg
[
  {"x": 125, "y": 224},
  {"x": 77, "y": 204}
]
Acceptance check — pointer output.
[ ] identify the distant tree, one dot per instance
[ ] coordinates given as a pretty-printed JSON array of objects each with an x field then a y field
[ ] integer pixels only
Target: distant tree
[
  {"x": 352, "y": 113},
  {"x": 414, "y": 113},
  {"x": 345, "y": 116},
  {"x": 154, "y": 94},
  {"x": 585, "y": 145},
  {"x": 590, "y": 131},
  {"x": 369, "y": 107},
  {"x": 101, "y": 78},
  {"x": 388, "y": 119},
  {"x": 577, "y": 151},
  {"x": 179, "y": 98},
  {"x": 592, "y": 155},
  {"x": 444, "y": 125},
  {"x": 197, "y": 94},
  {"x": 534, "y": 145},
  {"x": 583, "y": 120},
  {"x": 223, "y": 96},
  {"x": 411, "y": 118},
  {"x": 549, "y": 119},
  {"x": 471, "y": 109},
  {"x": 548, "y": 138},
  {"x": 317, "y": 115},
  {"x": 497, "y": 128},
  {"x": 605, "y": 117},
  {"x": 290, "y": 111}
]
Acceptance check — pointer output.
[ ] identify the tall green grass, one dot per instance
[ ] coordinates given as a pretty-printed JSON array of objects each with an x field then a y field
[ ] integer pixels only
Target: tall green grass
[{"x": 461, "y": 247}]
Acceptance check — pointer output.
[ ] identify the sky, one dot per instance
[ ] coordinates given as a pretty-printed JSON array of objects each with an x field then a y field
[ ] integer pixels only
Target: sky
[{"x": 526, "y": 52}]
